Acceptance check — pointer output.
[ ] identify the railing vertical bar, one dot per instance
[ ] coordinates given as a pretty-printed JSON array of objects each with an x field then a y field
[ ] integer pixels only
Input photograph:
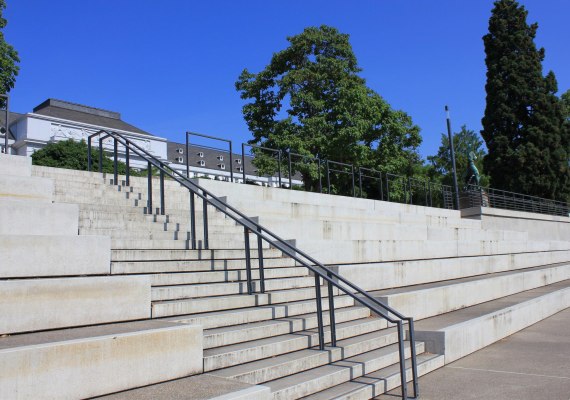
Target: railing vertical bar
[
  {"x": 318, "y": 298},
  {"x": 115, "y": 162},
  {"x": 205, "y": 220},
  {"x": 279, "y": 166},
  {"x": 162, "y": 205},
  {"x": 260, "y": 260},
  {"x": 402, "y": 351},
  {"x": 192, "y": 221},
  {"x": 128, "y": 162},
  {"x": 243, "y": 162},
  {"x": 290, "y": 169},
  {"x": 332, "y": 312},
  {"x": 149, "y": 189},
  {"x": 328, "y": 178},
  {"x": 412, "y": 340},
  {"x": 89, "y": 160},
  {"x": 320, "y": 175},
  {"x": 187, "y": 157},
  {"x": 360, "y": 181},
  {"x": 247, "y": 260},
  {"x": 231, "y": 163},
  {"x": 353, "y": 186},
  {"x": 100, "y": 155}
]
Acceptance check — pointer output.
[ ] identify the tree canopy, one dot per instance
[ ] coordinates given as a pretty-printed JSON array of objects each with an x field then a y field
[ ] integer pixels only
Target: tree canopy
[
  {"x": 523, "y": 124},
  {"x": 311, "y": 100},
  {"x": 8, "y": 58},
  {"x": 71, "y": 154}
]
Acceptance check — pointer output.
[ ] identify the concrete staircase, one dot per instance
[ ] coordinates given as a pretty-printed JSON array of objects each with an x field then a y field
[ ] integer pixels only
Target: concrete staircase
[{"x": 469, "y": 286}]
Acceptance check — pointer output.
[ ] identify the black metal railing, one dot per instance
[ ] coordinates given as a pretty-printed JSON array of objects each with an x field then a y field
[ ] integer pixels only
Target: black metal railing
[
  {"x": 255, "y": 147},
  {"x": 6, "y": 128},
  {"x": 478, "y": 196},
  {"x": 321, "y": 273}
]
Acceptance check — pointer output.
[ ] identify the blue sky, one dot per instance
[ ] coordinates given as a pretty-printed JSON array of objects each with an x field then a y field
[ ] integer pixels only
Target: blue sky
[{"x": 170, "y": 66}]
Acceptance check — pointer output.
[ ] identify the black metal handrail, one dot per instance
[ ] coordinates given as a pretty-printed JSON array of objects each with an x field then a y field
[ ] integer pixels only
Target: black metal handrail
[
  {"x": 479, "y": 196},
  {"x": 320, "y": 271},
  {"x": 253, "y": 146}
]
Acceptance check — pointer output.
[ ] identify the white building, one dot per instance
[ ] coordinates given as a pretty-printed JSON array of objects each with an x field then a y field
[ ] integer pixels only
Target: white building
[{"x": 56, "y": 120}]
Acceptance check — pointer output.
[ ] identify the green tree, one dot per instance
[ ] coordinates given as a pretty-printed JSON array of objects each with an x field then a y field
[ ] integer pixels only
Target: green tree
[
  {"x": 8, "y": 58},
  {"x": 311, "y": 100},
  {"x": 565, "y": 100},
  {"x": 71, "y": 154},
  {"x": 523, "y": 124},
  {"x": 464, "y": 141}
]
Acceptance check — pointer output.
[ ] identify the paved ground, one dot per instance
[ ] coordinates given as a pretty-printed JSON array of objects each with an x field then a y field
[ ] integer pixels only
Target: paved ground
[{"x": 529, "y": 365}]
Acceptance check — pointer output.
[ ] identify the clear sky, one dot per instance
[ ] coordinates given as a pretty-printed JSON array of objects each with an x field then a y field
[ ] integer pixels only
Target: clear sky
[{"x": 170, "y": 66}]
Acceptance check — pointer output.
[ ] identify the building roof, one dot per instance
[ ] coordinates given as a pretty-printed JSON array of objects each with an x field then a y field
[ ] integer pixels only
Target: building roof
[
  {"x": 211, "y": 158},
  {"x": 85, "y": 114},
  {"x": 13, "y": 118}
]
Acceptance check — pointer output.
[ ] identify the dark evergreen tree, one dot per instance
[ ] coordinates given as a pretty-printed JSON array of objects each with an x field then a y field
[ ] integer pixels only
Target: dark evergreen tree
[{"x": 523, "y": 124}]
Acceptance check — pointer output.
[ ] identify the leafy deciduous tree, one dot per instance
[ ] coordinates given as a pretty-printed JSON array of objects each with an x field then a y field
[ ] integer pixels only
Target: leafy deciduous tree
[
  {"x": 311, "y": 100},
  {"x": 8, "y": 58}
]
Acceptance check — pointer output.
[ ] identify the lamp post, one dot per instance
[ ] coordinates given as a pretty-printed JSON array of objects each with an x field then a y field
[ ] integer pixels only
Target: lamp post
[{"x": 452, "y": 150}]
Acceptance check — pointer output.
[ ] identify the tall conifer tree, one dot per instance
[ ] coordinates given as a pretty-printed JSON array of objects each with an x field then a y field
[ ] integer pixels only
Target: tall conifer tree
[{"x": 523, "y": 124}]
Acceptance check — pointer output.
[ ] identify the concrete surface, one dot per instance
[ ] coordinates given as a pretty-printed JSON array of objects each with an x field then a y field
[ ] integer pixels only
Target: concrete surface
[
  {"x": 37, "y": 218},
  {"x": 38, "y": 304},
  {"x": 100, "y": 364},
  {"x": 54, "y": 255},
  {"x": 200, "y": 387},
  {"x": 15, "y": 165},
  {"x": 531, "y": 364}
]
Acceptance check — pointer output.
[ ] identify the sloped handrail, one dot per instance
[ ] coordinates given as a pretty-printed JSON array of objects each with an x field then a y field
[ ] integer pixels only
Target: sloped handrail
[{"x": 320, "y": 271}]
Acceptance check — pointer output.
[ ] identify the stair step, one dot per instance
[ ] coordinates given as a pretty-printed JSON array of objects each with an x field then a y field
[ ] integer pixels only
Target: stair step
[
  {"x": 149, "y": 267},
  {"x": 276, "y": 367},
  {"x": 225, "y": 356},
  {"x": 321, "y": 378},
  {"x": 186, "y": 278},
  {"x": 202, "y": 305},
  {"x": 93, "y": 361},
  {"x": 162, "y": 293},
  {"x": 234, "y": 334},
  {"x": 217, "y": 319},
  {"x": 184, "y": 255},
  {"x": 378, "y": 382}
]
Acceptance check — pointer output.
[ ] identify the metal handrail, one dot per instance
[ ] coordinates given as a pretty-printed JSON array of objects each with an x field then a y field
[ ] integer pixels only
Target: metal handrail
[
  {"x": 497, "y": 198},
  {"x": 320, "y": 271}
]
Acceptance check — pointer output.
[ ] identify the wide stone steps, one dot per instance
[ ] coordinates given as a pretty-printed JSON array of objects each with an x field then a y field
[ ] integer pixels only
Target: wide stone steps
[
  {"x": 323, "y": 377},
  {"x": 145, "y": 267},
  {"x": 227, "y": 335},
  {"x": 212, "y": 255},
  {"x": 148, "y": 233},
  {"x": 160, "y": 244},
  {"x": 240, "y": 353},
  {"x": 93, "y": 361},
  {"x": 253, "y": 314},
  {"x": 423, "y": 301},
  {"x": 268, "y": 369},
  {"x": 175, "y": 292},
  {"x": 469, "y": 329},
  {"x": 218, "y": 303},
  {"x": 187, "y": 278},
  {"x": 374, "y": 384}
]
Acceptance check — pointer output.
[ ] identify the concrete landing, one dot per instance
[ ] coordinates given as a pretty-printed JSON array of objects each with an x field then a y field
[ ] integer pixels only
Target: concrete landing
[
  {"x": 531, "y": 364},
  {"x": 201, "y": 387}
]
